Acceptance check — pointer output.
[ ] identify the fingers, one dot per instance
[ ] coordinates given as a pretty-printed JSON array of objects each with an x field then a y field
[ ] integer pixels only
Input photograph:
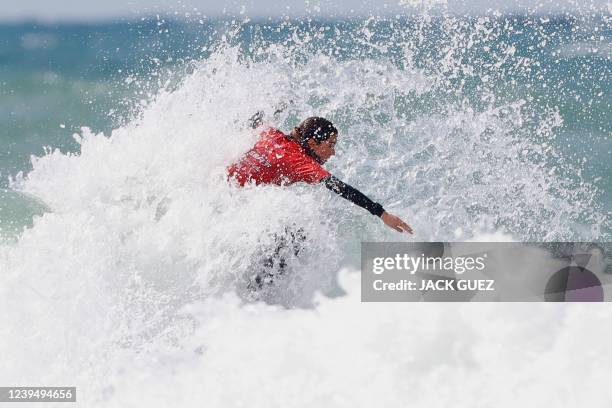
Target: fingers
[
  {"x": 397, "y": 224},
  {"x": 402, "y": 227},
  {"x": 405, "y": 227}
]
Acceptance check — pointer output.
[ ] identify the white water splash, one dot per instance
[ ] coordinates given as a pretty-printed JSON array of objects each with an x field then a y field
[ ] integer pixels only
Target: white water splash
[{"x": 130, "y": 282}]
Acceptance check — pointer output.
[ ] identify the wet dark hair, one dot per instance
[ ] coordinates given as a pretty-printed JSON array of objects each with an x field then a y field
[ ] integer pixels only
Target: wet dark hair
[{"x": 316, "y": 128}]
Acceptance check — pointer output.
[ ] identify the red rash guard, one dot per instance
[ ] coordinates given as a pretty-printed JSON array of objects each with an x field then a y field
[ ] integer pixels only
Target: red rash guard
[{"x": 276, "y": 160}]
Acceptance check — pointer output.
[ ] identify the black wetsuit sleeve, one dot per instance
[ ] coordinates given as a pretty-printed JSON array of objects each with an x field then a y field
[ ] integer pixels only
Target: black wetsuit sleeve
[{"x": 353, "y": 195}]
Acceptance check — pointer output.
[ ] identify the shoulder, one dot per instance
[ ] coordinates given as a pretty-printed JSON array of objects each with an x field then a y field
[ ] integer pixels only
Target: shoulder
[{"x": 299, "y": 166}]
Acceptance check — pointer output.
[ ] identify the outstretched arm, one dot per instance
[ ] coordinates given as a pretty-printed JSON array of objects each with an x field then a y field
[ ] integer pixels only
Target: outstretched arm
[
  {"x": 357, "y": 197},
  {"x": 353, "y": 195}
]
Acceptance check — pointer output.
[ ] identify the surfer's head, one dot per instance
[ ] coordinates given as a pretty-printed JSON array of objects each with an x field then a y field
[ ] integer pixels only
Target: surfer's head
[{"x": 318, "y": 136}]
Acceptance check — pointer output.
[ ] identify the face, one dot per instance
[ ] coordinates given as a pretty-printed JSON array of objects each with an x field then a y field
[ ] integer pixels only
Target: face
[{"x": 325, "y": 149}]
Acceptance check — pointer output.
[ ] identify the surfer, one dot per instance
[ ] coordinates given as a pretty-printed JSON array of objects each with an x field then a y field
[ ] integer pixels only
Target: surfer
[{"x": 281, "y": 159}]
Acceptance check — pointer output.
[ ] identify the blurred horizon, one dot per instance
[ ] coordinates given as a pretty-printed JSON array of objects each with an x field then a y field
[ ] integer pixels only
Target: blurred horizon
[{"x": 65, "y": 11}]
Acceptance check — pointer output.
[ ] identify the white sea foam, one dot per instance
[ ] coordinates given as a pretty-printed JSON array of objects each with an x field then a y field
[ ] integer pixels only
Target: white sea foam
[{"x": 345, "y": 354}]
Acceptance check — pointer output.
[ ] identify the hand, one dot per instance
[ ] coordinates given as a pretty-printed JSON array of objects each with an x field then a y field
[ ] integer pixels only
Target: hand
[{"x": 395, "y": 222}]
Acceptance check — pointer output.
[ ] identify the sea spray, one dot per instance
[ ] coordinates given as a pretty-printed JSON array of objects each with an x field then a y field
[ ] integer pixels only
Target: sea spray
[{"x": 139, "y": 266}]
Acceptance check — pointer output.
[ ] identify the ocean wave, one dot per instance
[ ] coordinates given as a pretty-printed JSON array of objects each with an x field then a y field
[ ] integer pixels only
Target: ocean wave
[{"x": 141, "y": 262}]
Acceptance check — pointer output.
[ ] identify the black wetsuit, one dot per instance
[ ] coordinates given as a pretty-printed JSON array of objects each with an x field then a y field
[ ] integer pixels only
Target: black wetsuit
[{"x": 353, "y": 195}]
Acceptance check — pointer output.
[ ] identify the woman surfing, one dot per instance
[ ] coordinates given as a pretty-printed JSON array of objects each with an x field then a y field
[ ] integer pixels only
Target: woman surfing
[{"x": 283, "y": 159}]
